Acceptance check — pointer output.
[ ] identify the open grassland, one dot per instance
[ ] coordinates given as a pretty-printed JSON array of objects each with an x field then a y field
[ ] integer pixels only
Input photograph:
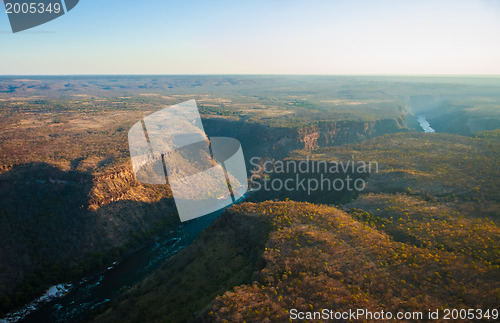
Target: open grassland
[{"x": 470, "y": 104}]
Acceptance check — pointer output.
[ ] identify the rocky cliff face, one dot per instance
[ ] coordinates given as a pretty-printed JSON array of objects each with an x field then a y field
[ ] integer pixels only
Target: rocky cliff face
[
  {"x": 118, "y": 184},
  {"x": 336, "y": 133},
  {"x": 64, "y": 224},
  {"x": 267, "y": 141}
]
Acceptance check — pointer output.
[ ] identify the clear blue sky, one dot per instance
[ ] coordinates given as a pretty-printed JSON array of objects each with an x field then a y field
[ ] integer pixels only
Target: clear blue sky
[{"x": 260, "y": 37}]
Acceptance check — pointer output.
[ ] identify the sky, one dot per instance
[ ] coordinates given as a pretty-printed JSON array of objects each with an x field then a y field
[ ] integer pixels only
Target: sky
[{"x": 260, "y": 37}]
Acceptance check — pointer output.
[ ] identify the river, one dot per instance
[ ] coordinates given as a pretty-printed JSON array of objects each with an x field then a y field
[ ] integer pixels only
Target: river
[
  {"x": 84, "y": 296},
  {"x": 425, "y": 124}
]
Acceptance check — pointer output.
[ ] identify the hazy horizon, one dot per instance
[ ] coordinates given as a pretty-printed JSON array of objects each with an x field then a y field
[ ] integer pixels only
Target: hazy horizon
[{"x": 268, "y": 74}]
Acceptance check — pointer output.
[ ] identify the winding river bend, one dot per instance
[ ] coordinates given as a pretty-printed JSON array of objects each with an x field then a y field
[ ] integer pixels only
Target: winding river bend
[{"x": 84, "y": 296}]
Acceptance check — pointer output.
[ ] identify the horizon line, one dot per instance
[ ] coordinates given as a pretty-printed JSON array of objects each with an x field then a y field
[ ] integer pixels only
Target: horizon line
[{"x": 258, "y": 74}]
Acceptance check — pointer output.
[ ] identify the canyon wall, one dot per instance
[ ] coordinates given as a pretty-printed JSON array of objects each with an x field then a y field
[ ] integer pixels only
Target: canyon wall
[{"x": 267, "y": 141}]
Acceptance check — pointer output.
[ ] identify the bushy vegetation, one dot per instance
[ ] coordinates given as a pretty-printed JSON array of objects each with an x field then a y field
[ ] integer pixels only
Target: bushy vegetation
[
  {"x": 320, "y": 257},
  {"x": 315, "y": 257},
  {"x": 431, "y": 225},
  {"x": 442, "y": 166}
]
